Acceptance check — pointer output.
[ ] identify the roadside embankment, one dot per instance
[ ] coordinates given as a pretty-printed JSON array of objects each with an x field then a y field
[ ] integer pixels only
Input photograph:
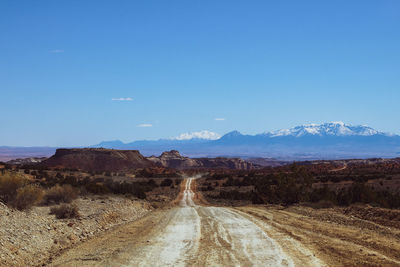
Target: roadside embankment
[{"x": 31, "y": 238}]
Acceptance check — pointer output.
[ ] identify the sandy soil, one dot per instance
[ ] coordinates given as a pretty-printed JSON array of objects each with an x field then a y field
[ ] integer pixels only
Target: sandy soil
[
  {"x": 30, "y": 238},
  {"x": 193, "y": 233},
  {"x": 187, "y": 235},
  {"x": 336, "y": 239}
]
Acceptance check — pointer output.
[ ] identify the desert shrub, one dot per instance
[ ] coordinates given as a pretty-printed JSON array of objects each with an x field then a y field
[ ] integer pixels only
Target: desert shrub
[
  {"x": 146, "y": 173},
  {"x": 139, "y": 193},
  {"x": 323, "y": 194},
  {"x": 237, "y": 182},
  {"x": 356, "y": 193},
  {"x": 58, "y": 194},
  {"x": 229, "y": 182},
  {"x": 27, "y": 197},
  {"x": 97, "y": 188},
  {"x": 322, "y": 204},
  {"x": 151, "y": 183},
  {"x": 166, "y": 182},
  {"x": 235, "y": 195},
  {"x": 137, "y": 189},
  {"x": 71, "y": 179},
  {"x": 99, "y": 180},
  {"x": 65, "y": 211},
  {"x": 216, "y": 176},
  {"x": 256, "y": 199},
  {"x": 285, "y": 188},
  {"x": 9, "y": 184},
  {"x": 207, "y": 187}
]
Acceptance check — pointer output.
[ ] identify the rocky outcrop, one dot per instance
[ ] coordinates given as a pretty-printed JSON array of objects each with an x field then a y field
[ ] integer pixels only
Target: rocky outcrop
[
  {"x": 172, "y": 159},
  {"x": 97, "y": 159},
  {"x": 100, "y": 159}
]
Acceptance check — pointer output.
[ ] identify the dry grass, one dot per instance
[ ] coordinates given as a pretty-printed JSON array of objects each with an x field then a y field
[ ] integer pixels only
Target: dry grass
[
  {"x": 16, "y": 192},
  {"x": 27, "y": 197},
  {"x": 60, "y": 194},
  {"x": 9, "y": 184},
  {"x": 65, "y": 211}
]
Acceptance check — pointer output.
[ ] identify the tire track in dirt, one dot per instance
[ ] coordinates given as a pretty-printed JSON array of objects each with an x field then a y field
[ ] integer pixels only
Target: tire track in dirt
[
  {"x": 178, "y": 242},
  {"x": 185, "y": 235},
  {"x": 336, "y": 245},
  {"x": 226, "y": 238}
]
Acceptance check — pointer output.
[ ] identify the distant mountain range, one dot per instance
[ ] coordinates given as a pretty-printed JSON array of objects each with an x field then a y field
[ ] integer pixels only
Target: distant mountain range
[
  {"x": 310, "y": 141},
  {"x": 334, "y": 140}
]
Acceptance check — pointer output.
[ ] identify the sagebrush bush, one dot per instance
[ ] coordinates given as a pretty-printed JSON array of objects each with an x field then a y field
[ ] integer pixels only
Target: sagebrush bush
[
  {"x": 65, "y": 211},
  {"x": 166, "y": 182},
  {"x": 27, "y": 197},
  {"x": 97, "y": 188},
  {"x": 60, "y": 194},
  {"x": 9, "y": 184},
  {"x": 322, "y": 204}
]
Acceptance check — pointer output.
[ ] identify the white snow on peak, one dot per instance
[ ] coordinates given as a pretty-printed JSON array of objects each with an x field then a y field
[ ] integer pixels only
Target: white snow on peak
[
  {"x": 336, "y": 128},
  {"x": 207, "y": 135}
]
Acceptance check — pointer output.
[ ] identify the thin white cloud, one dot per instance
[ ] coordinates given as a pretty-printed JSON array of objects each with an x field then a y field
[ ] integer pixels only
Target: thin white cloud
[
  {"x": 219, "y": 119},
  {"x": 122, "y": 99},
  {"x": 198, "y": 135},
  {"x": 55, "y": 51},
  {"x": 145, "y": 125}
]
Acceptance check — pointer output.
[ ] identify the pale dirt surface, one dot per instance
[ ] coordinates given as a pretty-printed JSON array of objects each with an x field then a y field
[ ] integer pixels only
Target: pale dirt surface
[
  {"x": 336, "y": 239},
  {"x": 30, "y": 238},
  {"x": 188, "y": 235}
]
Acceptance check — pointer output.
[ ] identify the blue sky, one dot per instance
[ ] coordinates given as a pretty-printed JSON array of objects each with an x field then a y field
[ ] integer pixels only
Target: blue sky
[{"x": 260, "y": 65}]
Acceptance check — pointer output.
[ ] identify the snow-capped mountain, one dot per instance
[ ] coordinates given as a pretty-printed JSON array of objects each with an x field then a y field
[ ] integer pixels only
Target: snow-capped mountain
[
  {"x": 310, "y": 141},
  {"x": 326, "y": 129},
  {"x": 207, "y": 135}
]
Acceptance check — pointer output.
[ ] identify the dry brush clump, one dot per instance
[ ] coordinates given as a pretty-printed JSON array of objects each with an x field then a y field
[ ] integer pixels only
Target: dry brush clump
[
  {"x": 60, "y": 194},
  {"x": 65, "y": 211},
  {"x": 16, "y": 191},
  {"x": 293, "y": 184},
  {"x": 9, "y": 184},
  {"x": 27, "y": 197}
]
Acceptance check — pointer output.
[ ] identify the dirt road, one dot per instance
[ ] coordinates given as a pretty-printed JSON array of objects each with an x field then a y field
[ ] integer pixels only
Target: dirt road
[
  {"x": 190, "y": 234},
  {"x": 186, "y": 235}
]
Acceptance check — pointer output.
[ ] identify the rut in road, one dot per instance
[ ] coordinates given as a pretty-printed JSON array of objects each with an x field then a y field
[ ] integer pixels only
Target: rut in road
[
  {"x": 204, "y": 236},
  {"x": 179, "y": 240}
]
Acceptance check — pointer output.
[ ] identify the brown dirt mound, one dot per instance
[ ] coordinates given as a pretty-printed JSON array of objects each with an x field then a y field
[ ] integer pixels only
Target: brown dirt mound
[{"x": 97, "y": 159}]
